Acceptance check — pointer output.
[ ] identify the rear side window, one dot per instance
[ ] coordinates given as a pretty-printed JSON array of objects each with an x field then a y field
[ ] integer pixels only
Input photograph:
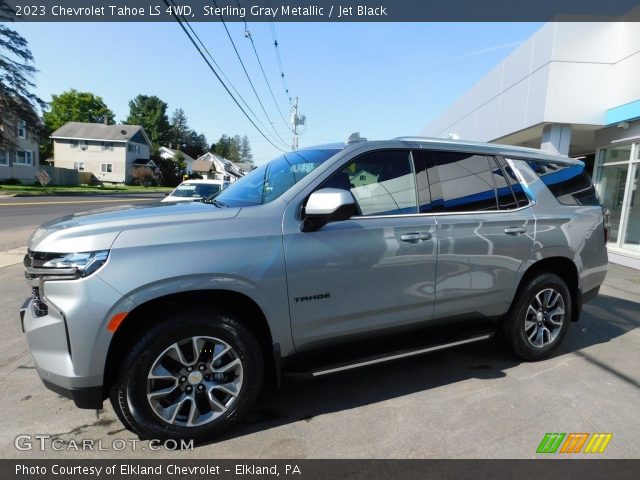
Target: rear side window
[
  {"x": 570, "y": 184},
  {"x": 507, "y": 176},
  {"x": 464, "y": 183}
]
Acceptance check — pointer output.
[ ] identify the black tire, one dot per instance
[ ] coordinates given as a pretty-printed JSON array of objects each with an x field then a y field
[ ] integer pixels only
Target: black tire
[
  {"x": 514, "y": 333},
  {"x": 128, "y": 394}
]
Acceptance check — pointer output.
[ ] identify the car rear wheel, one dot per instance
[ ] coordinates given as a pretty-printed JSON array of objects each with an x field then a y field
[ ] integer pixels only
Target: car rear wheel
[
  {"x": 192, "y": 376},
  {"x": 539, "y": 317}
]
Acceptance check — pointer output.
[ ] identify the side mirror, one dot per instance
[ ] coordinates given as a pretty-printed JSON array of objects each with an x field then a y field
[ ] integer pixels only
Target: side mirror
[{"x": 327, "y": 205}]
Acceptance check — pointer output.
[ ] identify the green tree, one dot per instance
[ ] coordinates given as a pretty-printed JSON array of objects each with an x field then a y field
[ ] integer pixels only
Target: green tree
[
  {"x": 179, "y": 127},
  {"x": 245, "y": 150},
  {"x": 151, "y": 113},
  {"x": 17, "y": 101},
  {"x": 73, "y": 106}
]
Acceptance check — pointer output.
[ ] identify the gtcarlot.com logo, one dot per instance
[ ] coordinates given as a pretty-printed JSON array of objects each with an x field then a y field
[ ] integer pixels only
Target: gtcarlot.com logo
[{"x": 574, "y": 443}]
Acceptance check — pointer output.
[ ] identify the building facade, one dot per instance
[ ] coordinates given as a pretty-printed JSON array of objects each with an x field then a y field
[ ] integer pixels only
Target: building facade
[
  {"x": 107, "y": 151},
  {"x": 20, "y": 160},
  {"x": 574, "y": 89}
]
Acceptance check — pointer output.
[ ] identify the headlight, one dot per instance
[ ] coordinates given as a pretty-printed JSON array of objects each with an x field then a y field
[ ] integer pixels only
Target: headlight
[{"x": 64, "y": 266}]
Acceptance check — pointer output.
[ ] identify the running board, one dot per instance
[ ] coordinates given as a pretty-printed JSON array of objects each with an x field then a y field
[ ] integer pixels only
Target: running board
[
  {"x": 397, "y": 356},
  {"x": 364, "y": 360}
]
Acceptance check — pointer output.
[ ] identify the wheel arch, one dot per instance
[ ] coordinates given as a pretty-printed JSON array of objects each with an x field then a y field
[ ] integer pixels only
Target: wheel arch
[
  {"x": 144, "y": 315},
  {"x": 563, "y": 267}
]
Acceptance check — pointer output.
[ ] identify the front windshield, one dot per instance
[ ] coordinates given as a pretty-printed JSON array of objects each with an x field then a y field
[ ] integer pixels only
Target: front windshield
[
  {"x": 268, "y": 182},
  {"x": 195, "y": 190}
]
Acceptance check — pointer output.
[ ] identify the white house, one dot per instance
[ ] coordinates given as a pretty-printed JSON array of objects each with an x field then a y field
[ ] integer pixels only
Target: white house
[
  {"x": 107, "y": 151},
  {"x": 169, "y": 154},
  {"x": 216, "y": 167},
  {"x": 19, "y": 157}
]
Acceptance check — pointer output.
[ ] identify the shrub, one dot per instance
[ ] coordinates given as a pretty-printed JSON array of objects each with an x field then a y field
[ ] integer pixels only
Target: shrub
[{"x": 11, "y": 181}]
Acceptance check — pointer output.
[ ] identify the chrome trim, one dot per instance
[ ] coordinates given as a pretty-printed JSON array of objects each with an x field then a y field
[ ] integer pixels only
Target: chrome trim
[
  {"x": 401, "y": 355},
  {"x": 439, "y": 214},
  {"x": 51, "y": 271}
]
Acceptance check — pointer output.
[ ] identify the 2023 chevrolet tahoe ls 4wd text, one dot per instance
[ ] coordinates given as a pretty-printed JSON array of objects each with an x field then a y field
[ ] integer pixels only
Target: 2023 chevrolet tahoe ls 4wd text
[{"x": 180, "y": 313}]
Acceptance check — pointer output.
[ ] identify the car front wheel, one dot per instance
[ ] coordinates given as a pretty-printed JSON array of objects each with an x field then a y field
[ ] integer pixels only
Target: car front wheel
[{"x": 192, "y": 376}]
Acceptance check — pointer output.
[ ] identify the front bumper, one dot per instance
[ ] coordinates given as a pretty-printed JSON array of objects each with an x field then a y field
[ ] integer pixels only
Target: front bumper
[
  {"x": 67, "y": 336},
  {"x": 49, "y": 343}
]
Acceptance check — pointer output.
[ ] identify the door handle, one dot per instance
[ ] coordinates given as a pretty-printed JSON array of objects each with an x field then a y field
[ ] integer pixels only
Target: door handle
[
  {"x": 515, "y": 230},
  {"x": 416, "y": 237}
]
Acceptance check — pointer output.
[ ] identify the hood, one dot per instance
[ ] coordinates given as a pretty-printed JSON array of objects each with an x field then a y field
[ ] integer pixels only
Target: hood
[{"x": 98, "y": 229}]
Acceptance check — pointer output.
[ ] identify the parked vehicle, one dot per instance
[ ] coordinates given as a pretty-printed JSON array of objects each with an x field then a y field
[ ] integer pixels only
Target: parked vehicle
[
  {"x": 325, "y": 259},
  {"x": 194, "y": 190}
]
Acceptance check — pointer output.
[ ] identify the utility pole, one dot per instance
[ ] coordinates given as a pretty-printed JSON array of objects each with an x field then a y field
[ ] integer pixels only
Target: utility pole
[
  {"x": 296, "y": 120},
  {"x": 294, "y": 125}
]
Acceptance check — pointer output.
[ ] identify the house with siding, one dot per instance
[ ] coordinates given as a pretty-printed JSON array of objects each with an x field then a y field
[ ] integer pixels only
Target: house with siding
[
  {"x": 19, "y": 157},
  {"x": 216, "y": 167},
  {"x": 109, "y": 152}
]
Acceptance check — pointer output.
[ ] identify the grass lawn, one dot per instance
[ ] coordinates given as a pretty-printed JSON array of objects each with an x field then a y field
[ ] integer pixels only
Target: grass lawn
[{"x": 78, "y": 190}]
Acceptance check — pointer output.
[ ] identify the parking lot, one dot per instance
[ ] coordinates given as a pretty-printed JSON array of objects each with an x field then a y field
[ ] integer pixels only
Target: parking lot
[{"x": 472, "y": 402}]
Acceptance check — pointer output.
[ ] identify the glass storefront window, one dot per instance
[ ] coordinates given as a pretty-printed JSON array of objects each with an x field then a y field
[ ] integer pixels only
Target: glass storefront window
[
  {"x": 612, "y": 180},
  {"x": 632, "y": 229},
  {"x": 616, "y": 154}
]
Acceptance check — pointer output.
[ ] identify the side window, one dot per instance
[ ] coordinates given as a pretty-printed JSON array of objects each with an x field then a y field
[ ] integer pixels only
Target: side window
[
  {"x": 507, "y": 185},
  {"x": 516, "y": 186},
  {"x": 382, "y": 182},
  {"x": 464, "y": 183},
  {"x": 424, "y": 167},
  {"x": 570, "y": 184}
]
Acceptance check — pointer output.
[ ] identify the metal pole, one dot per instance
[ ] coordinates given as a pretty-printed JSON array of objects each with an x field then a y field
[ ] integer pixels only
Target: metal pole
[{"x": 294, "y": 121}]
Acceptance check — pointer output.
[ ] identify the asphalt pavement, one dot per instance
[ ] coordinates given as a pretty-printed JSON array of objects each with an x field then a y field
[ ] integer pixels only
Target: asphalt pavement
[
  {"x": 19, "y": 216},
  {"x": 472, "y": 402}
]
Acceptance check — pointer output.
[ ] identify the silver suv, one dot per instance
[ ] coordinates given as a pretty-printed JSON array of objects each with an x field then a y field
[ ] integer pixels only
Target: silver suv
[{"x": 180, "y": 313}]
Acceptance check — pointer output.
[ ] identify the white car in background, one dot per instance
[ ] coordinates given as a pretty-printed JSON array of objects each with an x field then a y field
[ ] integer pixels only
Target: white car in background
[{"x": 195, "y": 190}]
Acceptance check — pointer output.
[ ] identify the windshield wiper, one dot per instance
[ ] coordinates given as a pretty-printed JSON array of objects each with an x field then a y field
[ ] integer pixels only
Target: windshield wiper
[{"x": 213, "y": 201}]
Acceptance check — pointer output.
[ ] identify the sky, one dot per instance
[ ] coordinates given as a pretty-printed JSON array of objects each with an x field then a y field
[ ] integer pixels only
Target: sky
[{"x": 380, "y": 79}]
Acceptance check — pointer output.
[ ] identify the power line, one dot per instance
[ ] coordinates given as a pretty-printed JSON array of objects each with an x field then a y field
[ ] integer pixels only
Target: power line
[
  {"x": 204, "y": 48},
  {"x": 276, "y": 46},
  {"x": 219, "y": 78},
  {"x": 247, "y": 74},
  {"x": 248, "y": 35}
]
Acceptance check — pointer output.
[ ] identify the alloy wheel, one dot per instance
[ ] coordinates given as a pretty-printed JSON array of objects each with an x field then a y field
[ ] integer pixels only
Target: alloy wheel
[
  {"x": 194, "y": 381},
  {"x": 544, "y": 317}
]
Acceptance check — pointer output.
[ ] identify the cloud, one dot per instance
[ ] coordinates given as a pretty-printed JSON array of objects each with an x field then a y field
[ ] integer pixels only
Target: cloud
[{"x": 481, "y": 51}]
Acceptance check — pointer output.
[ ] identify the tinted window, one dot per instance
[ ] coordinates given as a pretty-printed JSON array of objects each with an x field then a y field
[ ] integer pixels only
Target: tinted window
[
  {"x": 504, "y": 194},
  {"x": 516, "y": 186},
  {"x": 382, "y": 182},
  {"x": 569, "y": 183},
  {"x": 424, "y": 167},
  {"x": 464, "y": 183}
]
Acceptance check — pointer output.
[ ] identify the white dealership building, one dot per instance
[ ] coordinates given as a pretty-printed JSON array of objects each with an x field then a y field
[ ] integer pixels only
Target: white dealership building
[{"x": 572, "y": 88}]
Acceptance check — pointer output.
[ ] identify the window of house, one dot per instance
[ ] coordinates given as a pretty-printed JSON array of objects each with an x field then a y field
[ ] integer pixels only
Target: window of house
[
  {"x": 107, "y": 167},
  {"x": 463, "y": 183},
  {"x": 133, "y": 147},
  {"x": 22, "y": 129},
  {"x": 107, "y": 145},
  {"x": 81, "y": 144},
  {"x": 4, "y": 157},
  {"x": 78, "y": 166},
  {"x": 24, "y": 157},
  {"x": 381, "y": 182}
]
